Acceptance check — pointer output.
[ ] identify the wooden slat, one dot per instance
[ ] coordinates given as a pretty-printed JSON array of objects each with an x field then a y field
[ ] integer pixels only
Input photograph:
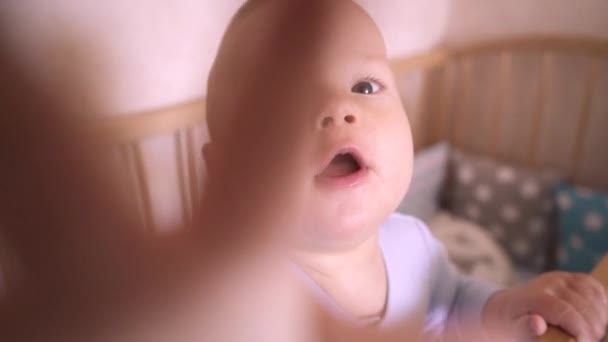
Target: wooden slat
[
  {"x": 134, "y": 193},
  {"x": 502, "y": 89},
  {"x": 438, "y": 116},
  {"x": 583, "y": 120},
  {"x": 428, "y": 107},
  {"x": 422, "y": 109},
  {"x": 464, "y": 94},
  {"x": 446, "y": 120},
  {"x": 142, "y": 185},
  {"x": 535, "y": 131},
  {"x": 180, "y": 163},
  {"x": 192, "y": 171},
  {"x": 557, "y": 335}
]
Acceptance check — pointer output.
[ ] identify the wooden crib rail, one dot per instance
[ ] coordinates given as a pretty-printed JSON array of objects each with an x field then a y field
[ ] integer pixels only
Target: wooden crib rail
[
  {"x": 116, "y": 130},
  {"x": 558, "y": 335},
  {"x": 448, "y": 82}
]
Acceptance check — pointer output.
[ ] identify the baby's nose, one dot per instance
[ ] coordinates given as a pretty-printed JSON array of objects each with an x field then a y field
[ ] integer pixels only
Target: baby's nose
[{"x": 330, "y": 120}]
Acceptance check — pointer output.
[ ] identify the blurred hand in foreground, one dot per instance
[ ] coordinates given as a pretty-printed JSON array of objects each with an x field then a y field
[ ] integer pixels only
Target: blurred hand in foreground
[{"x": 87, "y": 273}]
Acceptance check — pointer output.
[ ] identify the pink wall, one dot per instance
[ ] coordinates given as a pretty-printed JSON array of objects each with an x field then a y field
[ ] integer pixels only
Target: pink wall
[
  {"x": 140, "y": 54},
  {"x": 129, "y": 56}
]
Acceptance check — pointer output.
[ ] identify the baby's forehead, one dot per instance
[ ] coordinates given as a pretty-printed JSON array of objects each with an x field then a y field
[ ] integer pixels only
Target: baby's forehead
[
  {"x": 267, "y": 37},
  {"x": 312, "y": 27}
]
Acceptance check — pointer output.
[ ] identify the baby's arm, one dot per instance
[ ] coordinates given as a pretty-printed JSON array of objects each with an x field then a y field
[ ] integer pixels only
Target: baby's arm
[
  {"x": 457, "y": 302},
  {"x": 575, "y": 302}
]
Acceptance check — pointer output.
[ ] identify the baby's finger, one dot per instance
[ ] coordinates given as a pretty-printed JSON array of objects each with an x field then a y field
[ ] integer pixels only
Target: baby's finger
[
  {"x": 537, "y": 324},
  {"x": 589, "y": 310},
  {"x": 561, "y": 313},
  {"x": 591, "y": 285},
  {"x": 528, "y": 327},
  {"x": 583, "y": 296}
]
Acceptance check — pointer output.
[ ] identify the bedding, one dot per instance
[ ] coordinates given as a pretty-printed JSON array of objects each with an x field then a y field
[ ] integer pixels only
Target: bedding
[
  {"x": 473, "y": 250},
  {"x": 513, "y": 204}
]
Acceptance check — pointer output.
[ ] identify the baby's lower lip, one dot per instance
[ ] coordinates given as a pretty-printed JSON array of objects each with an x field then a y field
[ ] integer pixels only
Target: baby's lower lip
[{"x": 346, "y": 181}]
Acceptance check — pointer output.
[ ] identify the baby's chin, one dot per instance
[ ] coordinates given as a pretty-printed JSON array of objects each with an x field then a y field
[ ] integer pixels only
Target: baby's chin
[{"x": 340, "y": 233}]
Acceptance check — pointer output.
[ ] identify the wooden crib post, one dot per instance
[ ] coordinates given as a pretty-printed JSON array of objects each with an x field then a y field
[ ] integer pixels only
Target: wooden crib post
[
  {"x": 142, "y": 185},
  {"x": 503, "y": 87},
  {"x": 538, "y": 114},
  {"x": 191, "y": 151},
  {"x": 591, "y": 78},
  {"x": 181, "y": 175},
  {"x": 557, "y": 335}
]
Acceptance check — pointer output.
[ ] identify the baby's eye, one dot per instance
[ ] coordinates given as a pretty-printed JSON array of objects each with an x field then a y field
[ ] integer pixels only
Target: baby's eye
[{"x": 366, "y": 87}]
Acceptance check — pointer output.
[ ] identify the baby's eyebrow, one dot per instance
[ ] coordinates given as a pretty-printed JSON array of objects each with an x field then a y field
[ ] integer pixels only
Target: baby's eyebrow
[
  {"x": 375, "y": 62},
  {"x": 373, "y": 57}
]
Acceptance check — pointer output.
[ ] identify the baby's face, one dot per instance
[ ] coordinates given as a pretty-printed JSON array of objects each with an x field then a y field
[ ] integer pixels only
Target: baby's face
[
  {"x": 361, "y": 160},
  {"x": 362, "y": 136}
]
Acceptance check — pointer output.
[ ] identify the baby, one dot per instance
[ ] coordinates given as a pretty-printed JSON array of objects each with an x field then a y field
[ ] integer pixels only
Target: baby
[{"x": 364, "y": 263}]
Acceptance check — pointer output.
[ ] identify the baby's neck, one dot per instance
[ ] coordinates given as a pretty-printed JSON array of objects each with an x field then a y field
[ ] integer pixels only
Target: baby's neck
[
  {"x": 355, "y": 279},
  {"x": 330, "y": 264}
]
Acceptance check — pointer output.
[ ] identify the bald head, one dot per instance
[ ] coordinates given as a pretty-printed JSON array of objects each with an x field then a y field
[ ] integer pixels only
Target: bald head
[
  {"x": 271, "y": 43},
  {"x": 295, "y": 81}
]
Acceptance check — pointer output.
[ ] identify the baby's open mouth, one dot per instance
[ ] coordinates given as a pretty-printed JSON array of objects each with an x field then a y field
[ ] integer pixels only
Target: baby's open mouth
[{"x": 343, "y": 164}]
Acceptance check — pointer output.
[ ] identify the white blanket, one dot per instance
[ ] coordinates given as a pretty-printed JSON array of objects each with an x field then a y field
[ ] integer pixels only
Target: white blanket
[{"x": 473, "y": 250}]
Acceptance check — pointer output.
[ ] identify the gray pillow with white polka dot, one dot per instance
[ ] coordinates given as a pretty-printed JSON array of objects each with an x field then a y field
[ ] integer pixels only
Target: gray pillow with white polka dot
[{"x": 515, "y": 205}]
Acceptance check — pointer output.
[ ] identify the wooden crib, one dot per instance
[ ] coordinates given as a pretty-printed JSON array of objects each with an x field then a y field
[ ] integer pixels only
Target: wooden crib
[{"x": 532, "y": 101}]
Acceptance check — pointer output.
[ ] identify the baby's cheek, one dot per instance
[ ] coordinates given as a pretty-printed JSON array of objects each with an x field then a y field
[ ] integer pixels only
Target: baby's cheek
[
  {"x": 399, "y": 165},
  {"x": 404, "y": 178},
  {"x": 408, "y": 148}
]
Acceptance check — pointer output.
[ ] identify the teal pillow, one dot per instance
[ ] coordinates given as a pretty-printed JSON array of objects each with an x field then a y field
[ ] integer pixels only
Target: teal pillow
[{"x": 583, "y": 221}]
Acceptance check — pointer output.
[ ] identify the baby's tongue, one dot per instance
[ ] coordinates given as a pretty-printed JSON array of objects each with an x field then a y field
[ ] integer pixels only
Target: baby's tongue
[{"x": 341, "y": 165}]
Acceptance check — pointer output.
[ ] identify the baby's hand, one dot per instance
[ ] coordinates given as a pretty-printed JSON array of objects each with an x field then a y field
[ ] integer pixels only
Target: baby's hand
[{"x": 577, "y": 303}]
